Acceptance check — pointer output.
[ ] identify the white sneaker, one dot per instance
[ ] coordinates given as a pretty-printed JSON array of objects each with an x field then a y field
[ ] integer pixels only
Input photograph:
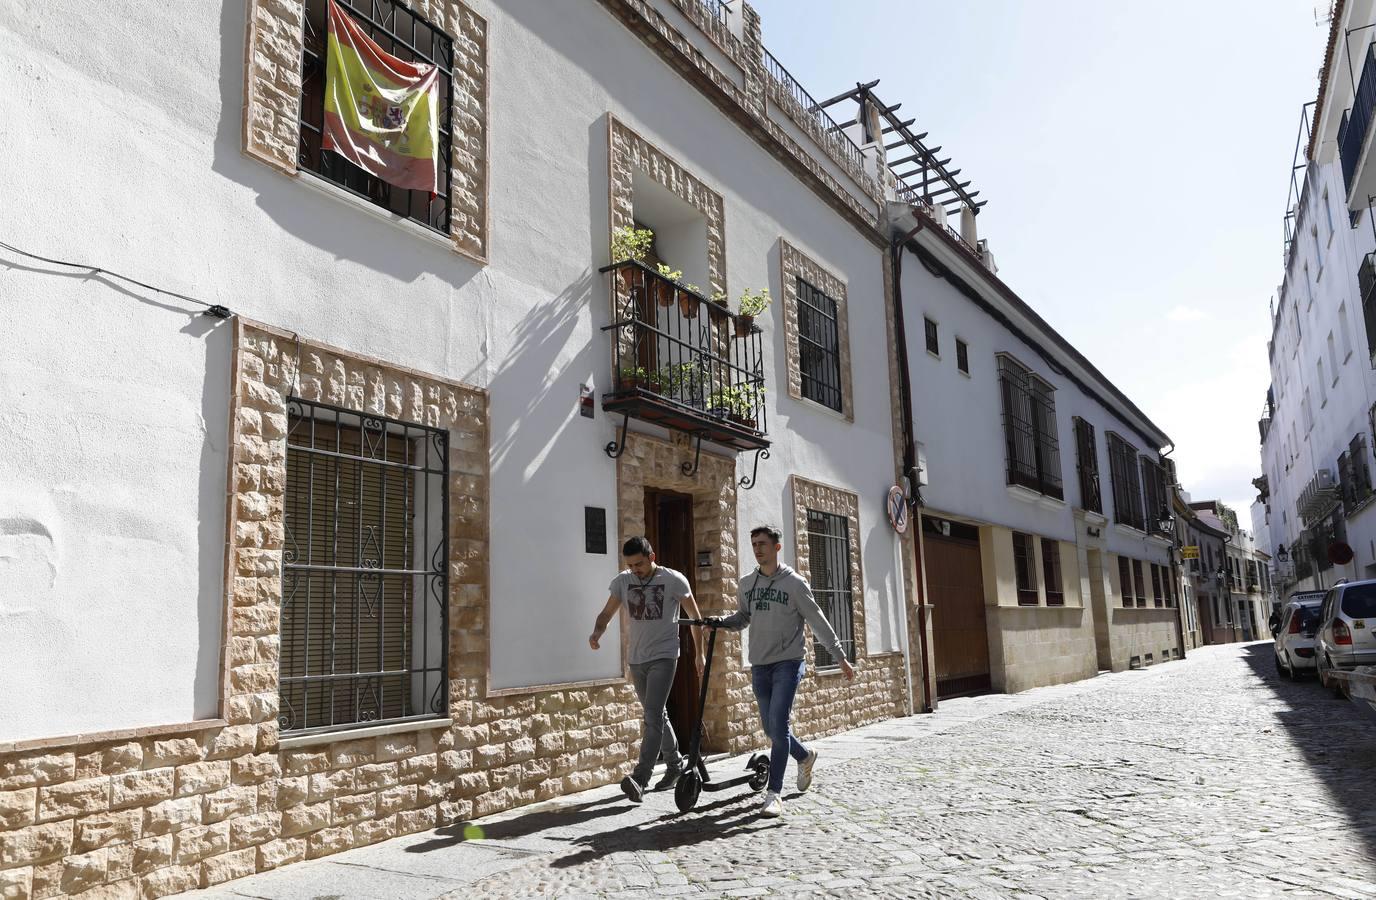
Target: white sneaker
[
  {"x": 805, "y": 771},
  {"x": 772, "y": 807}
]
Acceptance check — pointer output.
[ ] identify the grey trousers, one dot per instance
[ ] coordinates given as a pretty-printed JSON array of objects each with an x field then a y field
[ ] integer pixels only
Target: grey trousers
[{"x": 652, "y": 681}]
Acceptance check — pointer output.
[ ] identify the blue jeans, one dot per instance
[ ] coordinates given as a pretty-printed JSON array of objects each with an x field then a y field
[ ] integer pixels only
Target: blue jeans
[{"x": 775, "y": 685}]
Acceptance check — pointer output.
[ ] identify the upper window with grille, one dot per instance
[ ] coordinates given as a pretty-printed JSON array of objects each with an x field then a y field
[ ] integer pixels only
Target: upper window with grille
[
  {"x": 406, "y": 35},
  {"x": 962, "y": 356},
  {"x": 933, "y": 341},
  {"x": 1029, "y": 429},
  {"x": 1127, "y": 484},
  {"x": 1087, "y": 464},
  {"x": 819, "y": 347},
  {"x": 364, "y": 604},
  {"x": 829, "y": 565}
]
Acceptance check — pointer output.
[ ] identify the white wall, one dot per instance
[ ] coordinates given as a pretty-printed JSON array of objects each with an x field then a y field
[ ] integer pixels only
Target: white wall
[{"x": 112, "y": 446}]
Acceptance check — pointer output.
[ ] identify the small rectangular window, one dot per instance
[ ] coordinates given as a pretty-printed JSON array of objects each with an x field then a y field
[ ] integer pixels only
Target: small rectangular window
[
  {"x": 1157, "y": 598},
  {"x": 933, "y": 345},
  {"x": 1051, "y": 572},
  {"x": 1138, "y": 583},
  {"x": 1343, "y": 330},
  {"x": 962, "y": 356},
  {"x": 819, "y": 347},
  {"x": 1024, "y": 567}
]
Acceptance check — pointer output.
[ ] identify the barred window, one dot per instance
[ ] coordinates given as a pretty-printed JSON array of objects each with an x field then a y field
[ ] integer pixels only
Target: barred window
[
  {"x": 1125, "y": 581},
  {"x": 819, "y": 353},
  {"x": 1029, "y": 429},
  {"x": 1087, "y": 464},
  {"x": 1127, "y": 486},
  {"x": 1157, "y": 598},
  {"x": 962, "y": 356},
  {"x": 406, "y": 35},
  {"x": 829, "y": 563},
  {"x": 933, "y": 343},
  {"x": 1025, "y": 570},
  {"x": 1138, "y": 583},
  {"x": 364, "y": 605},
  {"x": 1051, "y": 572},
  {"x": 1154, "y": 494}
]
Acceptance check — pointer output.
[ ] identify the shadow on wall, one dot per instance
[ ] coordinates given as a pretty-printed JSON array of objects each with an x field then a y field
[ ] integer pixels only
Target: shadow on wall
[
  {"x": 1336, "y": 740},
  {"x": 304, "y": 213}
]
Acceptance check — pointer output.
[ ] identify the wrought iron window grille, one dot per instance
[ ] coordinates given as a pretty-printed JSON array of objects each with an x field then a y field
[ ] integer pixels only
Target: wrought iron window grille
[
  {"x": 404, "y": 34},
  {"x": 819, "y": 356},
  {"x": 1127, "y": 485},
  {"x": 829, "y": 563},
  {"x": 1029, "y": 428},
  {"x": 364, "y": 609},
  {"x": 1087, "y": 465}
]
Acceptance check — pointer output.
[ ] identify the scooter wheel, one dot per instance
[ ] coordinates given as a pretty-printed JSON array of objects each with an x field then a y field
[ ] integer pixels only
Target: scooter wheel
[
  {"x": 760, "y": 780},
  {"x": 687, "y": 790}
]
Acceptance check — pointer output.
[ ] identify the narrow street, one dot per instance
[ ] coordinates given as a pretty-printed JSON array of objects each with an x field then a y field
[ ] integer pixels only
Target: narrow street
[{"x": 1207, "y": 777}]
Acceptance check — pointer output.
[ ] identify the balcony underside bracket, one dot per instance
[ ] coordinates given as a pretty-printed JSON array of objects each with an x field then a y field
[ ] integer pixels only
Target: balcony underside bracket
[
  {"x": 690, "y": 469},
  {"x": 748, "y": 481},
  {"x": 615, "y": 448}
]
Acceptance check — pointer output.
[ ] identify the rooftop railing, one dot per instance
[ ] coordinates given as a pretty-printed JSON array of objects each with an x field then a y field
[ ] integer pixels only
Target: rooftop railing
[{"x": 829, "y": 132}]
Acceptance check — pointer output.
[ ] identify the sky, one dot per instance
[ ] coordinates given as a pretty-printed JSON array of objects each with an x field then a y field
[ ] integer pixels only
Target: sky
[{"x": 1135, "y": 158}]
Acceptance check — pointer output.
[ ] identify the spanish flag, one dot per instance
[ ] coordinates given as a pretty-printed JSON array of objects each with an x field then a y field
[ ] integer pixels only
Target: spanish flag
[{"x": 381, "y": 112}]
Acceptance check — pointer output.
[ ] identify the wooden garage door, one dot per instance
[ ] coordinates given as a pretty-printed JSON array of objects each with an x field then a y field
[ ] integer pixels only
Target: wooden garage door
[{"x": 955, "y": 589}]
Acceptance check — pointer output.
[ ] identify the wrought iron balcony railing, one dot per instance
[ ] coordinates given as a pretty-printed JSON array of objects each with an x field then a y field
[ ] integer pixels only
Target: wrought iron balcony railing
[
  {"x": 1356, "y": 121},
  {"x": 683, "y": 362}
]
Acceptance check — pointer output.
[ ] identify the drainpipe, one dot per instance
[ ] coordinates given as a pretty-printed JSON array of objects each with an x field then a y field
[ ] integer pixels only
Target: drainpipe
[{"x": 910, "y": 462}]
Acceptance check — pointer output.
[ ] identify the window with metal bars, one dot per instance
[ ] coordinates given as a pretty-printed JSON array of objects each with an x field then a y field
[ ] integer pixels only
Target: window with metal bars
[
  {"x": 406, "y": 35},
  {"x": 1156, "y": 596},
  {"x": 1125, "y": 581},
  {"x": 1154, "y": 495},
  {"x": 364, "y": 602},
  {"x": 1029, "y": 429},
  {"x": 1087, "y": 465},
  {"x": 819, "y": 347},
  {"x": 1051, "y": 572},
  {"x": 1025, "y": 569},
  {"x": 1127, "y": 485},
  {"x": 829, "y": 562},
  {"x": 962, "y": 356},
  {"x": 1138, "y": 583},
  {"x": 933, "y": 342}
]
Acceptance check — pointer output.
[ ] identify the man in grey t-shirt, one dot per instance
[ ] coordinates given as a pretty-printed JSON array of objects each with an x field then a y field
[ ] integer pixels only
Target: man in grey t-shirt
[{"x": 652, "y": 595}]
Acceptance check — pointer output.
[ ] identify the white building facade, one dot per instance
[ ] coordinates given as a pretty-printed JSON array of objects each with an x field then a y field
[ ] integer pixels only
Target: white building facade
[{"x": 309, "y": 495}]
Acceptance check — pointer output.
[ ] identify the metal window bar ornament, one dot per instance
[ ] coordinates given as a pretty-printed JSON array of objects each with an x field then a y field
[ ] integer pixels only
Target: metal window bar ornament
[
  {"x": 829, "y": 570},
  {"x": 364, "y": 609},
  {"x": 819, "y": 358}
]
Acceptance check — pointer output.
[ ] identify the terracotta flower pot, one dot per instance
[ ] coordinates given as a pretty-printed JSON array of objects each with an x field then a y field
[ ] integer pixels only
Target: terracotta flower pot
[
  {"x": 688, "y": 305},
  {"x": 743, "y": 325},
  {"x": 665, "y": 293}
]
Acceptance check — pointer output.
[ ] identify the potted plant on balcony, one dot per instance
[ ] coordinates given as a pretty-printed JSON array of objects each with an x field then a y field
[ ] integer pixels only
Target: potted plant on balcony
[
  {"x": 688, "y": 301},
  {"x": 641, "y": 378},
  {"x": 630, "y": 243},
  {"x": 736, "y": 403},
  {"x": 664, "y": 291},
  {"x": 752, "y": 304}
]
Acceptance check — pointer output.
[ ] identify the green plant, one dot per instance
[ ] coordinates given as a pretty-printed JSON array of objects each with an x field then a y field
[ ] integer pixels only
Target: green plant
[
  {"x": 634, "y": 375},
  {"x": 753, "y": 303},
  {"x": 681, "y": 379},
  {"x": 670, "y": 274},
  {"x": 719, "y": 297},
  {"x": 737, "y": 401},
  {"x": 631, "y": 243},
  {"x": 691, "y": 287}
]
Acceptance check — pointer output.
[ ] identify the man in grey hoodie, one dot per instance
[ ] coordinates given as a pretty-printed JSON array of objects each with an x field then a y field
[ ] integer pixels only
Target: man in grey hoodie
[{"x": 777, "y": 601}]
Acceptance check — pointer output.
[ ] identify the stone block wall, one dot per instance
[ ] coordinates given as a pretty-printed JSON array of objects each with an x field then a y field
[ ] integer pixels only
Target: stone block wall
[{"x": 1033, "y": 646}]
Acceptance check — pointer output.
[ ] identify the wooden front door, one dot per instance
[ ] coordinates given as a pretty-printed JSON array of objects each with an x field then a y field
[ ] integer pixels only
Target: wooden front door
[
  {"x": 669, "y": 529},
  {"x": 955, "y": 588}
]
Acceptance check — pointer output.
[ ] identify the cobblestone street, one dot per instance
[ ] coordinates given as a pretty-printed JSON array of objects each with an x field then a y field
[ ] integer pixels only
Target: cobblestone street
[{"x": 1209, "y": 776}]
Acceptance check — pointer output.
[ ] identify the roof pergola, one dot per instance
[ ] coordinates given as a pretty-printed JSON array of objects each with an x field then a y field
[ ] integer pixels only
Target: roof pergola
[{"x": 922, "y": 174}]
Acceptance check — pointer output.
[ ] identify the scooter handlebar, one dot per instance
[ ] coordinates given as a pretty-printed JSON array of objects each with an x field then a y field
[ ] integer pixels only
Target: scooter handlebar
[{"x": 704, "y": 623}]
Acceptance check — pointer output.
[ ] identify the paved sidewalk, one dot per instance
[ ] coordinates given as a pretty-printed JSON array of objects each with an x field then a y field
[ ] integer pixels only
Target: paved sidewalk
[{"x": 1204, "y": 777}]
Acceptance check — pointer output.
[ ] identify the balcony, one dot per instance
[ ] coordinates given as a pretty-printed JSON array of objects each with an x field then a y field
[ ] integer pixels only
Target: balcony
[
  {"x": 1366, "y": 284},
  {"x": 1354, "y": 130},
  {"x": 684, "y": 362},
  {"x": 1318, "y": 497}
]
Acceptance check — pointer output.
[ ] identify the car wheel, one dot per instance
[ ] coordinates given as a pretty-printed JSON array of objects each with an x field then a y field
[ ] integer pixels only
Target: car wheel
[{"x": 1335, "y": 685}]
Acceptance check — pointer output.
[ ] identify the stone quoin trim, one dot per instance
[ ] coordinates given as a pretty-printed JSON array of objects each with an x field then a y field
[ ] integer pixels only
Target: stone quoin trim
[
  {"x": 272, "y": 103},
  {"x": 794, "y": 264}
]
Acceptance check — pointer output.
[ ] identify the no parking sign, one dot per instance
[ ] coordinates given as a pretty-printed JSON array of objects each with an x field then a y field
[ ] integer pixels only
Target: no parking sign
[{"x": 897, "y": 507}]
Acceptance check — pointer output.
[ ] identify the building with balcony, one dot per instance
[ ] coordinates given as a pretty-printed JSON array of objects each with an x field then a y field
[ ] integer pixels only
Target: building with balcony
[
  {"x": 311, "y": 485},
  {"x": 1316, "y": 428}
]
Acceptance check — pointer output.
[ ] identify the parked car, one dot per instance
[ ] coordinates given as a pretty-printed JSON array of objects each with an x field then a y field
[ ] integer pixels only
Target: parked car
[
  {"x": 1344, "y": 639},
  {"x": 1294, "y": 634}
]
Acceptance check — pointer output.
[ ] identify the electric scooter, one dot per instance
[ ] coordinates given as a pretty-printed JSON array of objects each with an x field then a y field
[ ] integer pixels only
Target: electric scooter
[{"x": 695, "y": 777}]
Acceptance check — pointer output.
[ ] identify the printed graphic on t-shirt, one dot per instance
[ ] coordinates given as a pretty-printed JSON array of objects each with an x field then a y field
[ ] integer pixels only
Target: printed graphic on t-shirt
[{"x": 646, "y": 601}]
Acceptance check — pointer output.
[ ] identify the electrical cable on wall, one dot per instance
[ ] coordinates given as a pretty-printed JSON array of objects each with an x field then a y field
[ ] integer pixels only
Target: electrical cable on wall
[{"x": 213, "y": 310}]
